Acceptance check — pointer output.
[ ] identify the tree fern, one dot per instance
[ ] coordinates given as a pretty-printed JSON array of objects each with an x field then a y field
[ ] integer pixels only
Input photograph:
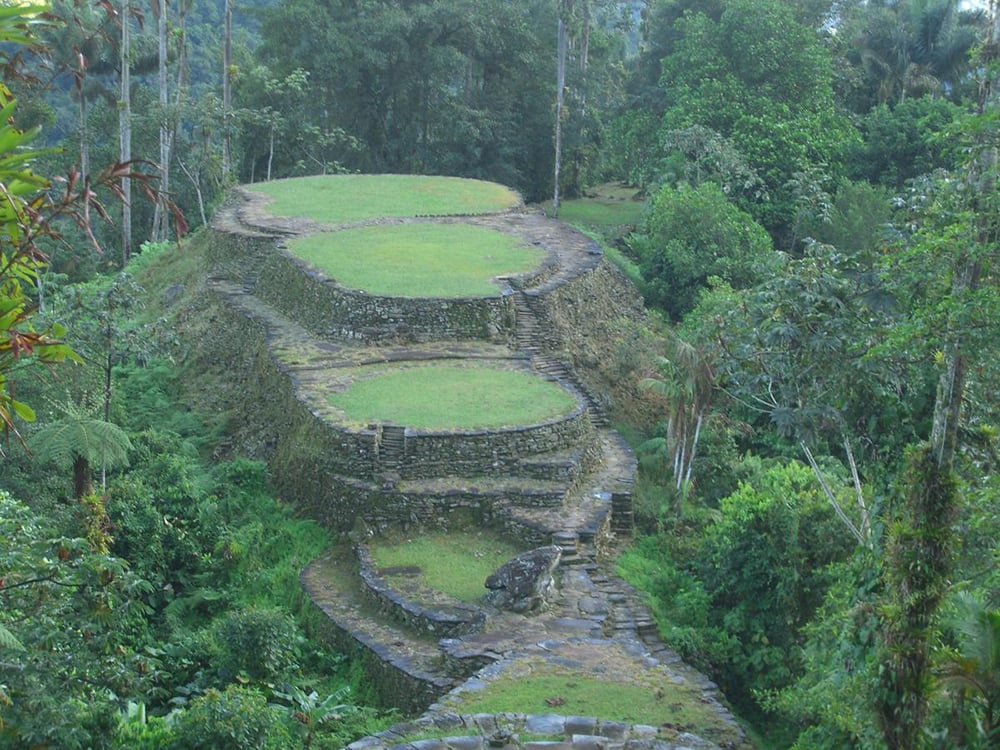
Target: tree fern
[{"x": 77, "y": 440}]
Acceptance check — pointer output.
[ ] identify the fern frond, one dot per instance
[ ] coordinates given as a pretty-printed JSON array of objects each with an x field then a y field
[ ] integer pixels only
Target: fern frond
[{"x": 9, "y": 641}]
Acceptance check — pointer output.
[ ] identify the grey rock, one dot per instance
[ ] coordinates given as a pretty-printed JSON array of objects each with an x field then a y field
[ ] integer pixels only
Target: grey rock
[
  {"x": 172, "y": 294},
  {"x": 592, "y": 606},
  {"x": 525, "y": 582},
  {"x": 586, "y": 725},
  {"x": 590, "y": 742},
  {"x": 367, "y": 743},
  {"x": 644, "y": 731},
  {"x": 464, "y": 743},
  {"x": 614, "y": 730},
  {"x": 545, "y": 724}
]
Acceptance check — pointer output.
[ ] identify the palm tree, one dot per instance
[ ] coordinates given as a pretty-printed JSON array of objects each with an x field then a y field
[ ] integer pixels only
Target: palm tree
[
  {"x": 918, "y": 47},
  {"x": 972, "y": 674},
  {"x": 687, "y": 383}
]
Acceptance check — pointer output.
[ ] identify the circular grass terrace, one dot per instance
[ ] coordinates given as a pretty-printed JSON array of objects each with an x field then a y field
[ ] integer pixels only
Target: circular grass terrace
[
  {"x": 456, "y": 563},
  {"x": 452, "y": 397},
  {"x": 419, "y": 259},
  {"x": 338, "y": 199}
]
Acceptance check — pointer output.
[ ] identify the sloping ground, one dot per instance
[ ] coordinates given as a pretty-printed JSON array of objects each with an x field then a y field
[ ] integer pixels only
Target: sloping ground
[{"x": 567, "y": 483}]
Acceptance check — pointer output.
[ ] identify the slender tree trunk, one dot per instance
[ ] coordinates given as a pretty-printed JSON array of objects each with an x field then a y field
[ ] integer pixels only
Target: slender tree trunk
[
  {"x": 125, "y": 129},
  {"x": 270, "y": 153},
  {"x": 84, "y": 136},
  {"x": 81, "y": 477},
  {"x": 159, "y": 214},
  {"x": 560, "y": 99},
  {"x": 919, "y": 552},
  {"x": 196, "y": 182},
  {"x": 227, "y": 90}
]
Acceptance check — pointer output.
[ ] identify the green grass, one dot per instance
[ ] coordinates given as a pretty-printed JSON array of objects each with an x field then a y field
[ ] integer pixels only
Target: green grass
[
  {"x": 621, "y": 696},
  {"x": 597, "y": 212},
  {"x": 418, "y": 260},
  {"x": 456, "y": 563},
  {"x": 446, "y": 396},
  {"x": 344, "y": 198}
]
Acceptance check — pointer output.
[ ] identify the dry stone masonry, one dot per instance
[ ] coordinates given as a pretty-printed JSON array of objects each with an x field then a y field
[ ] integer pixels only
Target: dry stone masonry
[{"x": 561, "y": 489}]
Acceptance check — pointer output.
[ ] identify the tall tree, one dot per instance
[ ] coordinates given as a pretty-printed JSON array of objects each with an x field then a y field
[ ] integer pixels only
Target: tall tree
[
  {"x": 163, "y": 189},
  {"x": 560, "y": 96},
  {"x": 963, "y": 222},
  {"x": 76, "y": 441},
  {"x": 762, "y": 80},
  {"x": 125, "y": 125},
  {"x": 227, "y": 90},
  {"x": 918, "y": 47}
]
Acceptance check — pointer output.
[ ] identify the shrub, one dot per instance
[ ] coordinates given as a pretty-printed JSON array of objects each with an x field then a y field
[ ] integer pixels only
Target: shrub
[
  {"x": 694, "y": 234},
  {"x": 233, "y": 719},
  {"x": 259, "y": 643}
]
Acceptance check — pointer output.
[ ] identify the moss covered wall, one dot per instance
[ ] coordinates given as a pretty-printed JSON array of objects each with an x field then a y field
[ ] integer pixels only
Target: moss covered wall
[{"x": 327, "y": 309}]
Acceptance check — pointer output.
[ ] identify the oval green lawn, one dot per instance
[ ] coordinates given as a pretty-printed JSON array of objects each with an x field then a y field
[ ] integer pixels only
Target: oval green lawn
[
  {"x": 439, "y": 397},
  {"x": 456, "y": 563},
  {"x": 358, "y": 197},
  {"x": 421, "y": 259}
]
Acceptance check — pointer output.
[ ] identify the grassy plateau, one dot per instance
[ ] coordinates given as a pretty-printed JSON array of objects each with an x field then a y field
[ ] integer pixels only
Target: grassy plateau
[
  {"x": 418, "y": 260},
  {"x": 446, "y": 396},
  {"x": 337, "y": 199},
  {"x": 456, "y": 563}
]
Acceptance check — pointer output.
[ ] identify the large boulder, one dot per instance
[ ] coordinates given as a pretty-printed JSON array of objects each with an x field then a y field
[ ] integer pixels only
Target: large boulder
[{"x": 524, "y": 583}]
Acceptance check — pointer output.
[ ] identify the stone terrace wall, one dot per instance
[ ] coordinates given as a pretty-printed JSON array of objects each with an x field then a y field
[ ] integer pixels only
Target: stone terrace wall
[
  {"x": 327, "y": 309},
  {"x": 333, "y": 473},
  {"x": 443, "y": 620},
  {"x": 571, "y": 313},
  {"x": 488, "y": 453},
  {"x": 396, "y": 684}
]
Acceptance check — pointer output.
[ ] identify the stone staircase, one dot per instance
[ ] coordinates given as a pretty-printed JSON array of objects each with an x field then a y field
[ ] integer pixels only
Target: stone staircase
[
  {"x": 527, "y": 337},
  {"x": 392, "y": 451}
]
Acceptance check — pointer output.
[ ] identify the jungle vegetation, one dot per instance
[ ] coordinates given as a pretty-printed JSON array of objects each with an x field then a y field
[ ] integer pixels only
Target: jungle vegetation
[{"x": 812, "y": 396}]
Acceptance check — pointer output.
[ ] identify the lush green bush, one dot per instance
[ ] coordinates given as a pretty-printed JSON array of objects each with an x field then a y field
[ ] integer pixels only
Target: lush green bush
[
  {"x": 763, "y": 565},
  {"x": 257, "y": 643},
  {"x": 139, "y": 732},
  {"x": 905, "y": 140},
  {"x": 693, "y": 234},
  {"x": 734, "y": 594},
  {"x": 236, "y": 718}
]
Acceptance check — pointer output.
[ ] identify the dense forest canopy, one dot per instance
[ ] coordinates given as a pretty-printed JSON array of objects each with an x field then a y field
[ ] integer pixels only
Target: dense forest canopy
[{"x": 813, "y": 396}]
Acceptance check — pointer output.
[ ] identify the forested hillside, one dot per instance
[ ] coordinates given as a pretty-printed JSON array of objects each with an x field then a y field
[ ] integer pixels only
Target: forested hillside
[{"x": 812, "y": 395}]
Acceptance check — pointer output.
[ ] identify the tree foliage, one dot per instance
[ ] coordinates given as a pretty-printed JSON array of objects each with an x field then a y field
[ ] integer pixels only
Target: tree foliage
[
  {"x": 693, "y": 234},
  {"x": 762, "y": 80}
]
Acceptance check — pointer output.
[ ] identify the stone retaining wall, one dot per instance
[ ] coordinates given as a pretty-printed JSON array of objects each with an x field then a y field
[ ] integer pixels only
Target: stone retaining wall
[
  {"x": 396, "y": 683},
  {"x": 568, "y": 313},
  {"x": 490, "y": 452},
  {"x": 504, "y": 731},
  {"x": 336, "y": 473},
  {"x": 327, "y": 309},
  {"x": 442, "y": 621}
]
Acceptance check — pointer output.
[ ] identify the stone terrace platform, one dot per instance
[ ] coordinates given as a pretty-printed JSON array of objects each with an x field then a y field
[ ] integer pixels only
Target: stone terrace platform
[{"x": 293, "y": 335}]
